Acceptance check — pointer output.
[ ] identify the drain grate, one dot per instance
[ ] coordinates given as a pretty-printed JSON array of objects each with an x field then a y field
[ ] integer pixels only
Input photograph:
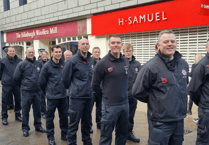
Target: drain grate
[{"x": 187, "y": 131}]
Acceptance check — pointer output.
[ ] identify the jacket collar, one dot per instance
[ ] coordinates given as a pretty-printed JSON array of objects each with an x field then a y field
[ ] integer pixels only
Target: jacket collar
[
  {"x": 170, "y": 63},
  {"x": 81, "y": 56},
  {"x": 10, "y": 59},
  {"x": 30, "y": 60},
  {"x": 207, "y": 54},
  {"x": 61, "y": 62},
  {"x": 112, "y": 58}
]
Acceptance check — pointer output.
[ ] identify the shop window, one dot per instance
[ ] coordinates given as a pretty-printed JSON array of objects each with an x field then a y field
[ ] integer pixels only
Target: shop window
[
  {"x": 6, "y": 5},
  {"x": 63, "y": 39},
  {"x": 22, "y": 2},
  {"x": 53, "y": 42},
  {"x": 69, "y": 38},
  {"x": 59, "y": 40},
  {"x": 74, "y": 38}
]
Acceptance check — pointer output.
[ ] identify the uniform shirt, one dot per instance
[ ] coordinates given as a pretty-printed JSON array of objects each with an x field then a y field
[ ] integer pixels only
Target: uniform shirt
[
  {"x": 113, "y": 73},
  {"x": 8, "y": 66},
  {"x": 162, "y": 83},
  {"x": 199, "y": 84},
  {"x": 26, "y": 75},
  {"x": 77, "y": 76},
  {"x": 50, "y": 80}
]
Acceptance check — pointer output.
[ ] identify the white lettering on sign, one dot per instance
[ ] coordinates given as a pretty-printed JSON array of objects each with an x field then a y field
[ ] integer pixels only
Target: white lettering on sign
[
  {"x": 32, "y": 34},
  {"x": 158, "y": 16},
  {"x": 53, "y": 30},
  {"x": 204, "y": 6}
]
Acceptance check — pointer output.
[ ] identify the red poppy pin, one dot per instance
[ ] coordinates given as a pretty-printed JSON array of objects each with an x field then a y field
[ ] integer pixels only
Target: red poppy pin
[
  {"x": 85, "y": 62},
  {"x": 61, "y": 66},
  {"x": 208, "y": 65},
  {"x": 164, "y": 80},
  {"x": 110, "y": 69}
]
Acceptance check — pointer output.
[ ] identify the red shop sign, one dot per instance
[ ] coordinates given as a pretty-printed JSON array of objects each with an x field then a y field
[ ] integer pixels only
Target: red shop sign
[
  {"x": 167, "y": 15},
  {"x": 73, "y": 28}
]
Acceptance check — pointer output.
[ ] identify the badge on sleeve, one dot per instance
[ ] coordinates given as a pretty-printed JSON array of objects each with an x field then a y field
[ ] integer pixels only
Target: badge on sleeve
[{"x": 184, "y": 72}]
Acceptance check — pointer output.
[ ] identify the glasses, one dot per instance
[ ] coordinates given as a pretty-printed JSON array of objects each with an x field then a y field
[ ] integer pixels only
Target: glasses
[{"x": 128, "y": 51}]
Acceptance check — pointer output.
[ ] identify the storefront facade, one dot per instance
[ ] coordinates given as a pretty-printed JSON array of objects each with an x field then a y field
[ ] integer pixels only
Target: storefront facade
[
  {"x": 65, "y": 34},
  {"x": 140, "y": 26}
]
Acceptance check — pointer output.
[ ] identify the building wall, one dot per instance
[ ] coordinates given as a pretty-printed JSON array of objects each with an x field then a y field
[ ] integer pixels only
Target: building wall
[{"x": 37, "y": 12}]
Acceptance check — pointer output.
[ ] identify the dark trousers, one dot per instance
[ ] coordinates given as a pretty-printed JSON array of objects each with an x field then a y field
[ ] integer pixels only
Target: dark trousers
[
  {"x": 11, "y": 104},
  {"x": 98, "y": 100},
  {"x": 166, "y": 133},
  {"x": 28, "y": 99},
  {"x": 203, "y": 127},
  {"x": 114, "y": 116},
  {"x": 132, "y": 109},
  {"x": 43, "y": 104},
  {"x": 79, "y": 109},
  {"x": 190, "y": 104},
  {"x": 8, "y": 91},
  {"x": 62, "y": 106}
]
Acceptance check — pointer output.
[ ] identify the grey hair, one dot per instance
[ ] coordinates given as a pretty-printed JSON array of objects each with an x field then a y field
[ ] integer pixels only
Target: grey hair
[
  {"x": 166, "y": 32},
  {"x": 67, "y": 51}
]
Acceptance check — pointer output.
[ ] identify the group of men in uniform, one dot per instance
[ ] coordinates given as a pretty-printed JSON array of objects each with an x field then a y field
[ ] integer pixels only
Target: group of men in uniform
[{"x": 115, "y": 82}]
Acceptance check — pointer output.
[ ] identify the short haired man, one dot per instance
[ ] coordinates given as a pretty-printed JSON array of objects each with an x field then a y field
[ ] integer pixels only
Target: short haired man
[
  {"x": 77, "y": 77},
  {"x": 11, "y": 104},
  {"x": 112, "y": 71},
  {"x": 26, "y": 75},
  {"x": 44, "y": 59},
  {"x": 134, "y": 67},
  {"x": 54, "y": 89},
  {"x": 96, "y": 97},
  {"x": 162, "y": 84},
  {"x": 198, "y": 89},
  {"x": 7, "y": 68},
  {"x": 40, "y": 53},
  {"x": 67, "y": 54}
]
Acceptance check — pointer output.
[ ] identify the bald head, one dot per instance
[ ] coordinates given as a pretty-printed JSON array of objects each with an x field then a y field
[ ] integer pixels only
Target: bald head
[
  {"x": 30, "y": 52},
  {"x": 84, "y": 46}
]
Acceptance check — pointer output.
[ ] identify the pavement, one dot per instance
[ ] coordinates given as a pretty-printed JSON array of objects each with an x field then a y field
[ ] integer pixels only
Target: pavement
[{"x": 12, "y": 133}]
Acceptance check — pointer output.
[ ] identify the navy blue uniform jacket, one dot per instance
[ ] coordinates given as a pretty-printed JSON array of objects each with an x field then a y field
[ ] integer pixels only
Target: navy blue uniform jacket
[
  {"x": 199, "y": 84},
  {"x": 77, "y": 76},
  {"x": 113, "y": 73},
  {"x": 26, "y": 75},
  {"x": 163, "y": 85},
  {"x": 50, "y": 80},
  {"x": 8, "y": 66}
]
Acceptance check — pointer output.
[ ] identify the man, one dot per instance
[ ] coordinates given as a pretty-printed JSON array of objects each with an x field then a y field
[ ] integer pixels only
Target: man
[
  {"x": 10, "y": 105},
  {"x": 54, "y": 89},
  {"x": 44, "y": 59},
  {"x": 162, "y": 84},
  {"x": 77, "y": 77},
  {"x": 67, "y": 54},
  {"x": 134, "y": 67},
  {"x": 112, "y": 71},
  {"x": 198, "y": 89},
  {"x": 96, "y": 97},
  {"x": 8, "y": 65},
  {"x": 40, "y": 52},
  {"x": 26, "y": 74}
]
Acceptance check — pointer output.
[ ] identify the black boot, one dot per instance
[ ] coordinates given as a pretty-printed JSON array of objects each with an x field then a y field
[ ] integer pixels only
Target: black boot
[
  {"x": 4, "y": 121},
  {"x": 132, "y": 137}
]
